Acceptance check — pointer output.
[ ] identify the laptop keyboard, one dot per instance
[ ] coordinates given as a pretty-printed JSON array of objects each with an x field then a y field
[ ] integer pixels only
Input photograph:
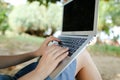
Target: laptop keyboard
[{"x": 72, "y": 43}]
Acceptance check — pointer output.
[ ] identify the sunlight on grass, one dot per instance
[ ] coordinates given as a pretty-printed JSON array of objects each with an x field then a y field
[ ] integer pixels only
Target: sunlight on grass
[
  {"x": 28, "y": 41},
  {"x": 105, "y": 49},
  {"x": 19, "y": 43},
  {"x": 24, "y": 39},
  {"x": 31, "y": 39}
]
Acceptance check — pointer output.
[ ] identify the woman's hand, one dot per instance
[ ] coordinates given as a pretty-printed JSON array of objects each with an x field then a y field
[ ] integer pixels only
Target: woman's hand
[
  {"x": 51, "y": 57},
  {"x": 43, "y": 46}
]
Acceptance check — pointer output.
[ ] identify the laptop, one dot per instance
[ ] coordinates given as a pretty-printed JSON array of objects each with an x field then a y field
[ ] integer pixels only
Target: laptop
[{"x": 79, "y": 27}]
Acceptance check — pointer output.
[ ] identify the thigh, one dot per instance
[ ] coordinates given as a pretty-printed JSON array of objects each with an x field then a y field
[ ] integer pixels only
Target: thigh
[
  {"x": 80, "y": 61},
  {"x": 86, "y": 69}
]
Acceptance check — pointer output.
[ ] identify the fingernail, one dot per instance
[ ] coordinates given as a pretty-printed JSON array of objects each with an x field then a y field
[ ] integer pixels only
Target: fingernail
[
  {"x": 67, "y": 48},
  {"x": 67, "y": 53}
]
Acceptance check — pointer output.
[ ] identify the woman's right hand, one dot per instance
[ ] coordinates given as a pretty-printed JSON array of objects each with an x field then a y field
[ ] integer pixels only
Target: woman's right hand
[{"x": 51, "y": 57}]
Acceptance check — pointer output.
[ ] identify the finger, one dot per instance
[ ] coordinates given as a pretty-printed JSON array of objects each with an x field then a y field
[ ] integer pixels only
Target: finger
[
  {"x": 60, "y": 52},
  {"x": 52, "y": 48},
  {"x": 56, "y": 49},
  {"x": 62, "y": 57},
  {"x": 49, "y": 39}
]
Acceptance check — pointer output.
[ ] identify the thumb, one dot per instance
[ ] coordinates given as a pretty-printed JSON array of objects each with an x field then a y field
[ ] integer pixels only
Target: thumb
[{"x": 49, "y": 39}]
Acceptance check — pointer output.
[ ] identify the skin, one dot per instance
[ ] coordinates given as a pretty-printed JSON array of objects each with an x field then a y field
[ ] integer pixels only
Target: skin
[
  {"x": 51, "y": 57},
  {"x": 7, "y": 61},
  {"x": 86, "y": 69}
]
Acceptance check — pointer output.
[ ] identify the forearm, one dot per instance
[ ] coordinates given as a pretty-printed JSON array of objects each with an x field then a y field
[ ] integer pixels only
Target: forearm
[
  {"x": 51, "y": 57},
  {"x": 33, "y": 75},
  {"x": 7, "y": 61}
]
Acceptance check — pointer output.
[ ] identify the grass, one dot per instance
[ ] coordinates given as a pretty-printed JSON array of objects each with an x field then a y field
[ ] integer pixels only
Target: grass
[
  {"x": 105, "y": 49},
  {"x": 19, "y": 43},
  {"x": 24, "y": 39},
  {"x": 16, "y": 45},
  {"x": 30, "y": 39},
  {"x": 22, "y": 42}
]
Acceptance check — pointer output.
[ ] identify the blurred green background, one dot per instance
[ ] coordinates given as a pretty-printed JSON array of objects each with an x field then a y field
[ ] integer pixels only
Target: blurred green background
[{"x": 24, "y": 24}]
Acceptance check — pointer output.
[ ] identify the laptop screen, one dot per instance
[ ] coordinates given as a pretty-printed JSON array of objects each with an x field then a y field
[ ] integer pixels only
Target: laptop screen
[{"x": 78, "y": 15}]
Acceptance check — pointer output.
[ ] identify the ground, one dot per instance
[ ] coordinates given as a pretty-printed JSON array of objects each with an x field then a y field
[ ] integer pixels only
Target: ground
[{"x": 108, "y": 65}]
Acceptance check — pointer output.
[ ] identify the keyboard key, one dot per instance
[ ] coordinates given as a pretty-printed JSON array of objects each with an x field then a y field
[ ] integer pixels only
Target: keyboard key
[{"x": 72, "y": 43}]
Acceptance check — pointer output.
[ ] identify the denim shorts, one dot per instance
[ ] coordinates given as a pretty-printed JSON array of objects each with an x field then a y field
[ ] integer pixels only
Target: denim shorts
[{"x": 67, "y": 74}]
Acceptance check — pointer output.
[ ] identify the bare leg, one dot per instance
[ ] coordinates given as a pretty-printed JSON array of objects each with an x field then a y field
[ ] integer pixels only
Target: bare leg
[{"x": 86, "y": 69}]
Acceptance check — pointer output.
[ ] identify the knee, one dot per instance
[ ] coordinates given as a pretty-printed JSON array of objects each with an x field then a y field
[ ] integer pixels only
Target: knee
[{"x": 82, "y": 60}]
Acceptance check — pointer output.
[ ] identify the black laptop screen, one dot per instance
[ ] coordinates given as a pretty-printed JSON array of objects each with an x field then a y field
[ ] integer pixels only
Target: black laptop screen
[{"x": 79, "y": 15}]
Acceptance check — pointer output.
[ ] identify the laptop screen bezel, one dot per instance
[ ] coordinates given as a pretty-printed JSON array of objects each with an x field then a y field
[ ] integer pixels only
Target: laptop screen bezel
[{"x": 93, "y": 32}]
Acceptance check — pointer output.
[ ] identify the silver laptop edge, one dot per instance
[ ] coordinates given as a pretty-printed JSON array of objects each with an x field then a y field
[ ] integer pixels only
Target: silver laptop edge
[
  {"x": 68, "y": 61},
  {"x": 90, "y": 34}
]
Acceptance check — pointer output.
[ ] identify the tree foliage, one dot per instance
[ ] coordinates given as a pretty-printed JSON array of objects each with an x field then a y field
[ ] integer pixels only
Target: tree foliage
[
  {"x": 35, "y": 19},
  {"x": 109, "y": 14},
  {"x": 3, "y": 17},
  {"x": 44, "y": 2}
]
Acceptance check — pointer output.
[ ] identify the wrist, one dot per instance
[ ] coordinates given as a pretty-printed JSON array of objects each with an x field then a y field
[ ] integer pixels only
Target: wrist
[
  {"x": 40, "y": 74},
  {"x": 36, "y": 53},
  {"x": 33, "y": 75},
  {"x": 32, "y": 54}
]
